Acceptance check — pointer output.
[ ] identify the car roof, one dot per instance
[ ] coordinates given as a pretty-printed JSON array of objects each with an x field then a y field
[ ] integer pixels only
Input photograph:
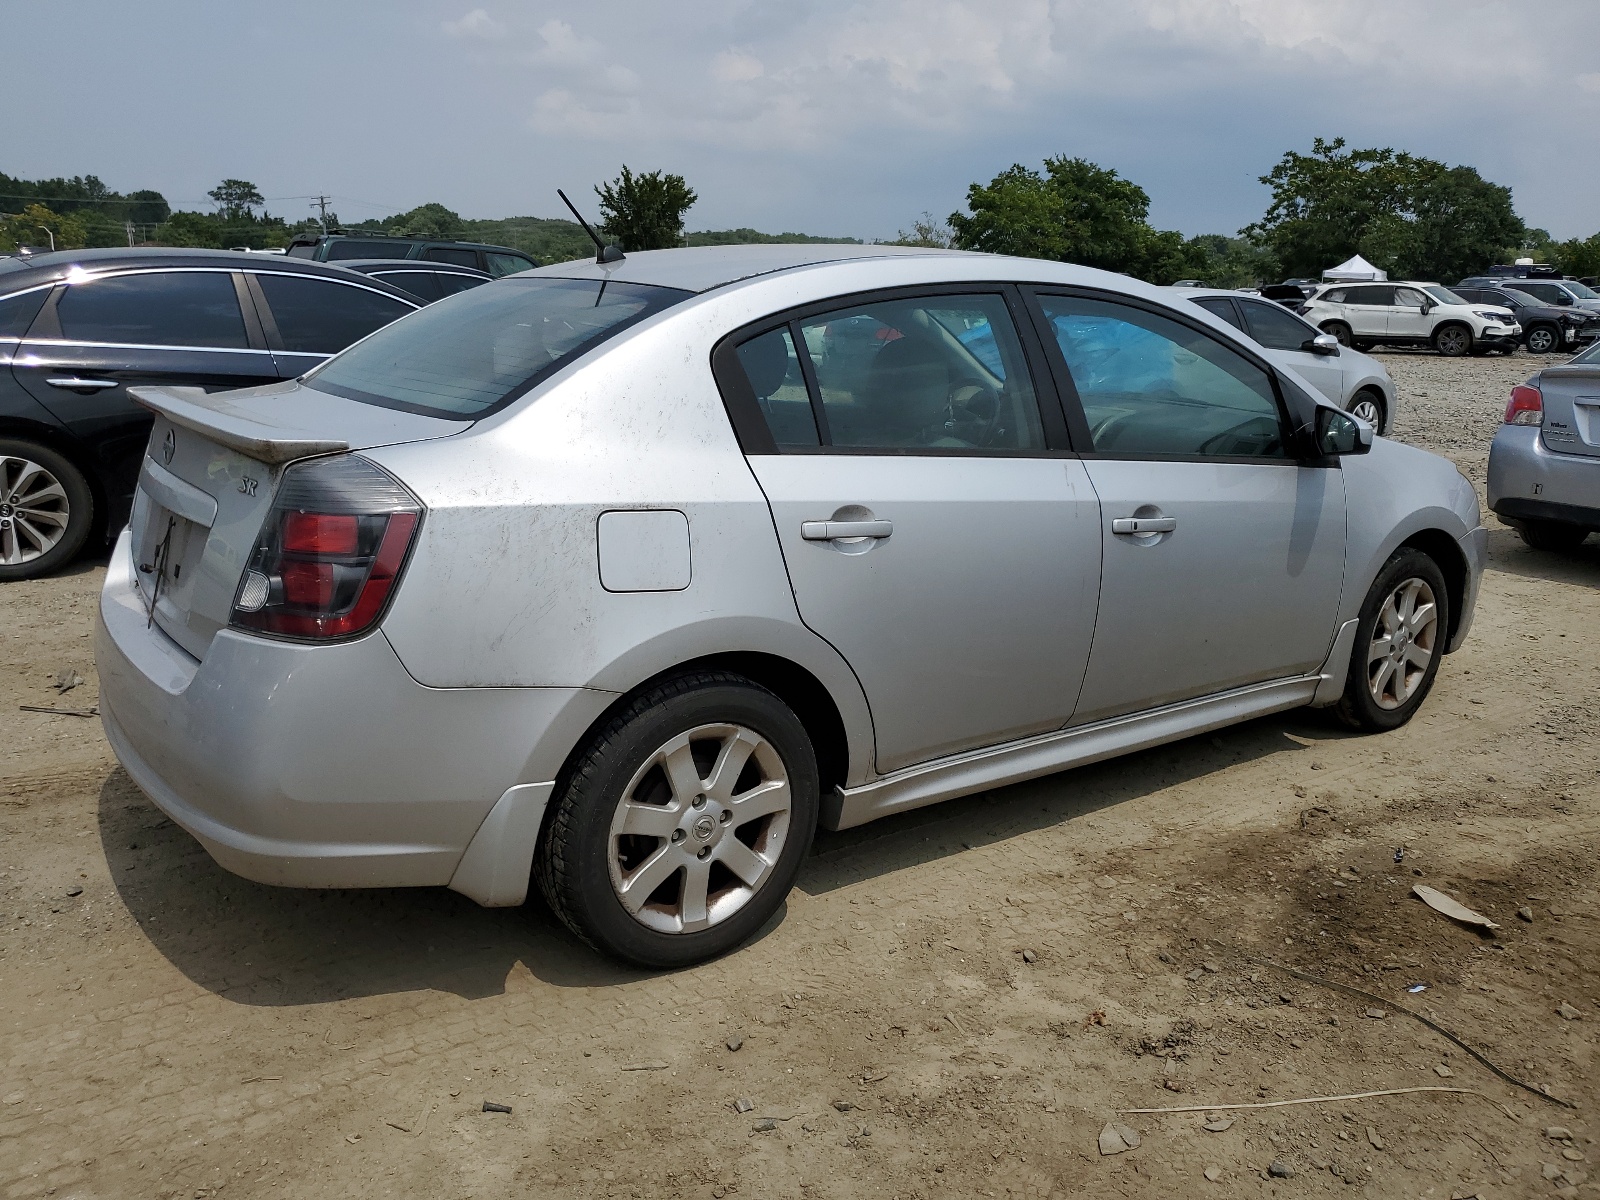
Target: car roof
[
  {"x": 37, "y": 269},
  {"x": 702, "y": 268},
  {"x": 311, "y": 239},
  {"x": 1192, "y": 293}
]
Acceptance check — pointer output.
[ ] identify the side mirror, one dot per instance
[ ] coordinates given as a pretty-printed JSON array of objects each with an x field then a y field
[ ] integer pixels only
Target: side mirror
[
  {"x": 1428, "y": 306},
  {"x": 1323, "y": 343},
  {"x": 1563, "y": 299},
  {"x": 1339, "y": 433}
]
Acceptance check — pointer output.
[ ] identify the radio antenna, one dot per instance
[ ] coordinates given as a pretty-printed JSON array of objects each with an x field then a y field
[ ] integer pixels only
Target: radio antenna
[{"x": 603, "y": 253}]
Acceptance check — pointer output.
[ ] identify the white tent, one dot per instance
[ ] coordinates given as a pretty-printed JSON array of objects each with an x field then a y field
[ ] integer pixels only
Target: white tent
[{"x": 1356, "y": 270}]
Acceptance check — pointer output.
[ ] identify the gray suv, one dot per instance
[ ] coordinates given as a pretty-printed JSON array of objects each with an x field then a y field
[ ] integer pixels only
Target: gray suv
[{"x": 1544, "y": 465}]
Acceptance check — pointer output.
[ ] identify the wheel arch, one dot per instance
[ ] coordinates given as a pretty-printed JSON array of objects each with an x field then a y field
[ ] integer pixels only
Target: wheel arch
[{"x": 1446, "y": 552}]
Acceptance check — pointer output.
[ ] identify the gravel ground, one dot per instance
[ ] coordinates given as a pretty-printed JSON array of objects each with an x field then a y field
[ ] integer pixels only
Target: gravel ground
[{"x": 955, "y": 1002}]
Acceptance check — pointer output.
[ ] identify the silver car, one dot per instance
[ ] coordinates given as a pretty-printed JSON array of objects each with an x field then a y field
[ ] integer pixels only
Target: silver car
[
  {"x": 1544, "y": 463},
  {"x": 1356, "y": 382},
  {"x": 623, "y": 577}
]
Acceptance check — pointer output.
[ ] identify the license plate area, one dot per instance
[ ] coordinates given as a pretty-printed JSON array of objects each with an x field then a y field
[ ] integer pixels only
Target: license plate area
[{"x": 166, "y": 553}]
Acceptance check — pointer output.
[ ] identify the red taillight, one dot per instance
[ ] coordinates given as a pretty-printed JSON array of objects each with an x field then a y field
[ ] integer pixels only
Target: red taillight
[
  {"x": 1526, "y": 406},
  {"x": 329, "y": 552}
]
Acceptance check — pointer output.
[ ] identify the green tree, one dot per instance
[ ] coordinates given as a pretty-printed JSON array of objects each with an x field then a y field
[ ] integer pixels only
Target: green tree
[
  {"x": 1414, "y": 217},
  {"x": 428, "y": 220},
  {"x": 1578, "y": 256},
  {"x": 1075, "y": 211},
  {"x": 645, "y": 212},
  {"x": 929, "y": 232},
  {"x": 236, "y": 200},
  {"x": 27, "y": 229}
]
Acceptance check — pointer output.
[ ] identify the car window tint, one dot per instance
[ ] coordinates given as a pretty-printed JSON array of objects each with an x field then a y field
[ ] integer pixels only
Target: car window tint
[
  {"x": 772, "y": 369},
  {"x": 162, "y": 308},
  {"x": 1274, "y": 326},
  {"x": 367, "y": 248},
  {"x": 321, "y": 316},
  {"x": 1378, "y": 294},
  {"x": 424, "y": 285},
  {"x": 1222, "y": 307},
  {"x": 448, "y": 254},
  {"x": 17, "y": 312},
  {"x": 1152, "y": 386},
  {"x": 486, "y": 347},
  {"x": 1336, "y": 296},
  {"x": 1544, "y": 291},
  {"x": 450, "y": 282},
  {"x": 505, "y": 264},
  {"x": 944, "y": 373}
]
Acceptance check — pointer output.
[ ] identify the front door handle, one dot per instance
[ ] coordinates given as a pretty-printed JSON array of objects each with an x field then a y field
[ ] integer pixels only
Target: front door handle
[
  {"x": 1141, "y": 525},
  {"x": 827, "y": 531},
  {"x": 84, "y": 387}
]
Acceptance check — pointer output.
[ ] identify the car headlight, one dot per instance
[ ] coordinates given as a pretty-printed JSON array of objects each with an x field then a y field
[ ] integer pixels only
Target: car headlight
[{"x": 1497, "y": 318}]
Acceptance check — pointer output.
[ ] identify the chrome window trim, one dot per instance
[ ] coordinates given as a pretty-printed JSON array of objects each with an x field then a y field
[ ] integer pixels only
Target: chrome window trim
[
  {"x": 336, "y": 282},
  {"x": 135, "y": 345},
  {"x": 38, "y": 287}
]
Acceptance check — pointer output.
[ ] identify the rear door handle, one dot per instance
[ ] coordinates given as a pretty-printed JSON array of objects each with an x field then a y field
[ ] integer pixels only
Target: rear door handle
[
  {"x": 84, "y": 387},
  {"x": 1138, "y": 525},
  {"x": 827, "y": 531}
]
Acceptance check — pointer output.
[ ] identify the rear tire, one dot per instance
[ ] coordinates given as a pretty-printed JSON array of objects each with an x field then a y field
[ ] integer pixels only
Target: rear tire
[
  {"x": 1400, "y": 638},
  {"x": 682, "y": 826},
  {"x": 46, "y": 510},
  {"x": 1453, "y": 341},
  {"x": 1340, "y": 331},
  {"x": 1543, "y": 339},
  {"x": 1555, "y": 536}
]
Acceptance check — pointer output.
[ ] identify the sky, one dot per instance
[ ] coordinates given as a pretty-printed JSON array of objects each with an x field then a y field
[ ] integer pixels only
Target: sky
[{"x": 838, "y": 117}]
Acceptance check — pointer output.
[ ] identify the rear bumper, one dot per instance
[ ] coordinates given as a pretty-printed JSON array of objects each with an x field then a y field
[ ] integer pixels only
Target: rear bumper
[
  {"x": 317, "y": 766},
  {"x": 1527, "y": 481}
]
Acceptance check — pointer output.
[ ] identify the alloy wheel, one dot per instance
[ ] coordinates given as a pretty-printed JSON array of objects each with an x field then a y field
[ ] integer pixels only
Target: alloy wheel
[
  {"x": 700, "y": 828},
  {"x": 1454, "y": 342},
  {"x": 1369, "y": 411},
  {"x": 34, "y": 511},
  {"x": 1542, "y": 341},
  {"x": 1403, "y": 643}
]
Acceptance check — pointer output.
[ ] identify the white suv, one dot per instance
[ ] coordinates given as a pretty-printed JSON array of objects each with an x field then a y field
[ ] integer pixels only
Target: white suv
[{"x": 1364, "y": 315}]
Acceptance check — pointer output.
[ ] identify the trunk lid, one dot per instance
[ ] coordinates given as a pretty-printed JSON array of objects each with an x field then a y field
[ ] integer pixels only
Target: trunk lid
[
  {"x": 1571, "y": 409},
  {"x": 209, "y": 475}
]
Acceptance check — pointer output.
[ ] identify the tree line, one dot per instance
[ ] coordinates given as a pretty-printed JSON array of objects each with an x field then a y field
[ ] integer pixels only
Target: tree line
[{"x": 1415, "y": 217}]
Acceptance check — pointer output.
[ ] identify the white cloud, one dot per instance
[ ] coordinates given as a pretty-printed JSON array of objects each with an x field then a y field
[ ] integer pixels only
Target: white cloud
[
  {"x": 731, "y": 66},
  {"x": 475, "y": 24},
  {"x": 561, "y": 44}
]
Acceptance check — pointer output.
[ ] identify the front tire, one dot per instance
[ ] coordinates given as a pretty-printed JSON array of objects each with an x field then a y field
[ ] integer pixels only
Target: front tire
[
  {"x": 1400, "y": 638},
  {"x": 1543, "y": 339},
  {"x": 1453, "y": 341},
  {"x": 1340, "y": 331},
  {"x": 1555, "y": 536},
  {"x": 1368, "y": 405},
  {"x": 46, "y": 510},
  {"x": 682, "y": 826}
]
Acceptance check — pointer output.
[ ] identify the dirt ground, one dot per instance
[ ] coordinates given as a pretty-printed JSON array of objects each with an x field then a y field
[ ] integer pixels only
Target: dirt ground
[{"x": 954, "y": 1003}]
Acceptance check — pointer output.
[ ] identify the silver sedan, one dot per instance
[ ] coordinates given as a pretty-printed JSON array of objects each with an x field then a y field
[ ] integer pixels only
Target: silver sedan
[{"x": 622, "y": 577}]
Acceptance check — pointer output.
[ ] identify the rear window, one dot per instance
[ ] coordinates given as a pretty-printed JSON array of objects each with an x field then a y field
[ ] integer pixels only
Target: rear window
[{"x": 488, "y": 346}]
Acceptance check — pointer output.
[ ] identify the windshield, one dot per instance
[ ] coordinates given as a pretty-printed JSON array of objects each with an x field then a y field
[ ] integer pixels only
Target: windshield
[
  {"x": 1443, "y": 294},
  {"x": 1591, "y": 356},
  {"x": 1581, "y": 290},
  {"x": 477, "y": 351}
]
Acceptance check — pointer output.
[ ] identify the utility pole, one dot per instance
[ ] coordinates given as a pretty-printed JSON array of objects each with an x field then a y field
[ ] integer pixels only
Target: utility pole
[
  {"x": 130, "y": 232},
  {"x": 321, "y": 203}
]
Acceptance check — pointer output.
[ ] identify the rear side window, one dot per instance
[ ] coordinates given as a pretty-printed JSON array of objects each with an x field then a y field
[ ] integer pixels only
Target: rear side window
[
  {"x": 160, "y": 308},
  {"x": 506, "y": 264},
  {"x": 1336, "y": 296},
  {"x": 1273, "y": 326},
  {"x": 1221, "y": 307},
  {"x": 1154, "y": 388},
  {"x": 424, "y": 285},
  {"x": 450, "y": 282},
  {"x": 17, "y": 312},
  {"x": 320, "y": 316},
  {"x": 485, "y": 348},
  {"x": 449, "y": 254},
  {"x": 367, "y": 248},
  {"x": 775, "y": 376}
]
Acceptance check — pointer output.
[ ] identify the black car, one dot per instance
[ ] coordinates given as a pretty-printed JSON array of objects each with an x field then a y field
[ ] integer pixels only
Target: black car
[
  {"x": 1546, "y": 329},
  {"x": 334, "y": 247},
  {"x": 77, "y": 328},
  {"x": 424, "y": 280},
  {"x": 1290, "y": 295}
]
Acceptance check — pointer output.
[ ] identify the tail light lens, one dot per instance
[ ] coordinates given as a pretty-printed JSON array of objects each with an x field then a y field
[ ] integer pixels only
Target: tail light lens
[
  {"x": 329, "y": 553},
  {"x": 1526, "y": 406}
]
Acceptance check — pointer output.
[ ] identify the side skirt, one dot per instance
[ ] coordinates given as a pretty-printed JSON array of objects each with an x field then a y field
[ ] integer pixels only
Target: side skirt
[{"x": 1014, "y": 762}]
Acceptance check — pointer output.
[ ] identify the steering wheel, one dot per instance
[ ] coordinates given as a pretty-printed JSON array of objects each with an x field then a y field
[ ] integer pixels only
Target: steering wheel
[{"x": 980, "y": 402}]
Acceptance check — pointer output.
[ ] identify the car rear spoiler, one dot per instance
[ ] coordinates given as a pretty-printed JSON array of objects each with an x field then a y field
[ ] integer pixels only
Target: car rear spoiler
[{"x": 193, "y": 408}]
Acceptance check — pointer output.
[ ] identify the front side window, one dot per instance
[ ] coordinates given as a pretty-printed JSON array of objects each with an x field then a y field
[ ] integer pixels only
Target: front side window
[
  {"x": 939, "y": 373},
  {"x": 1544, "y": 291},
  {"x": 321, "y": 316},
  {"x": 1409, "y": 298},
  {"x": 1276, "y": 327},
  {"x": 450, "y": 282},
  {"x": 159, "y": 308},
  {"x": 1152, "y": 387},
  {"x": 1222, "y": 307},
  {"x": 506, "y": 264},
  {"x": 484, "y": 348},
  {"x": 424, "y": 285}
]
